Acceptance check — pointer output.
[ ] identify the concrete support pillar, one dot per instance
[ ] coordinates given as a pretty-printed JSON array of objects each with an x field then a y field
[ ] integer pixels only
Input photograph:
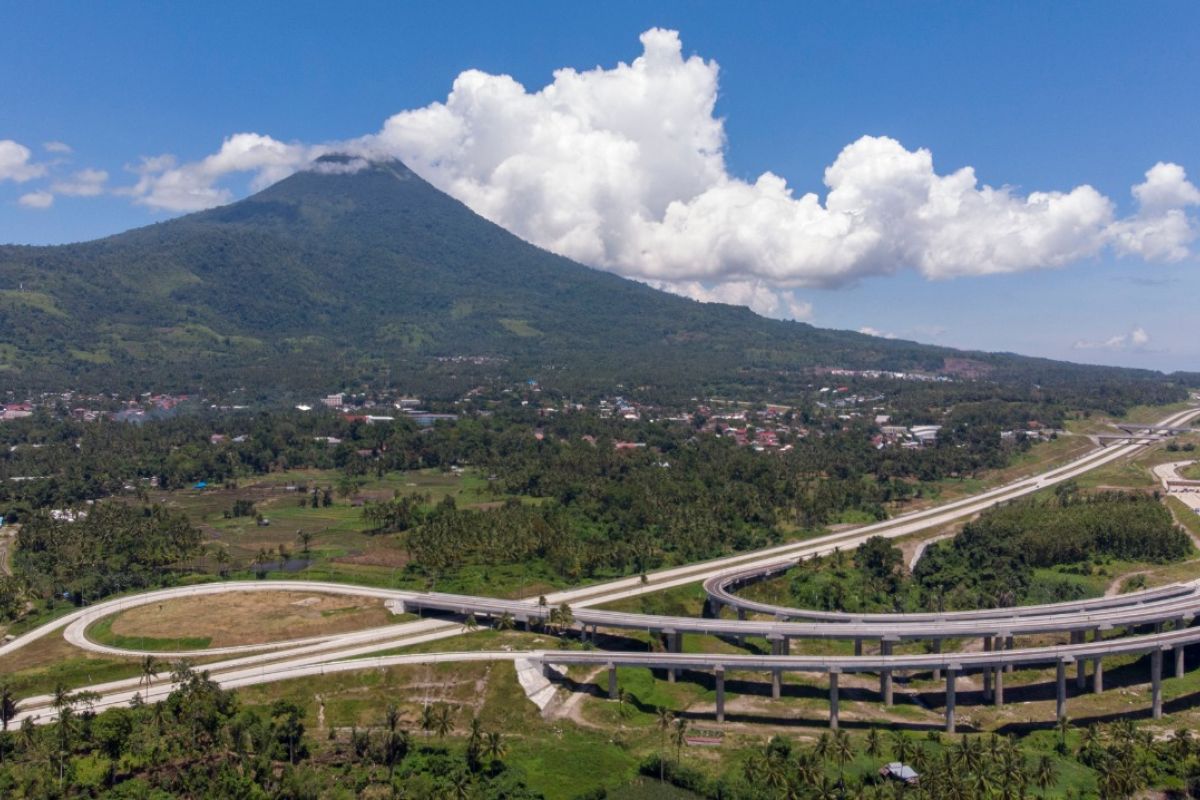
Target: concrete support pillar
[
  {"x": 937, "y": 648},
  {"x": 674, "y": 645},
  {"x": 858, "y": 647},
  {"x": 613, "y": 692},
  {"x": 999, "y": 692},
  {"x": 1098, "y": 675},
  {"x": 777, "y": 649},
  {"x": 1060, "y": 708},
  {"x": 1081, "y": 664},
  {"x": 719, "y": 674},
  {"x": 987, "y": 671},
  {"x": 951, "y": 676},
  {"x": 1156, "y": 684},
  {"x": 1008, "y": 645},
  {"x": 885, "y": 674},
  {"x": 1158, "y": 627},
  {"x": 741, "y": 614},
  {"x": 833, "y": 699},
  {"x": 1179, "y": 665}
]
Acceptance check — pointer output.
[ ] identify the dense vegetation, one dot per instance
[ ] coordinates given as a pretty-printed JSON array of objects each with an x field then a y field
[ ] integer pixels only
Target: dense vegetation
[
  {"x": 201, "y": 743},
  {"x": 995, "y": 560},
  {"x": 375, "y": 276},
  {"x": 1124, "y": 760},
  {"x": 110, "y": 547},
  {"x": 591, "y": 508}
]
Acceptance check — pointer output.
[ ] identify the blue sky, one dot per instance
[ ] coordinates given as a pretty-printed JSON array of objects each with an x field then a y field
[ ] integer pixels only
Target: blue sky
[{"x": 1031, "y": 97}]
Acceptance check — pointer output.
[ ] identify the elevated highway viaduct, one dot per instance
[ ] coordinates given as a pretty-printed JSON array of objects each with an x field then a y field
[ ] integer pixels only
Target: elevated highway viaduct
[{"x": 1167, "y": 612}]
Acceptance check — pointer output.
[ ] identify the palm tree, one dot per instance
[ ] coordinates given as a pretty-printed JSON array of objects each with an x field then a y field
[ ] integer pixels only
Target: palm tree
[
  {"x": 808, "y": 768},
  {"x": 460, "y": 785},
  {"x": 826, "y": 791},
  {"x": 982, "y": 783},
  {"x": 1063, "y": 726},
  {"x": 993, "y": 748},
  {"x": 681, "y": 726},
  {"x": 182, "y": 672},
  {"x": 149, "y": 669},
  {"x": 1014, "y": 774},
  {"x": 494, "y": 746},
  {"x": 61, "y": 697},
  {"x": 475, "y": 731},
  {"x": 1045, "y": 774},
  {"x": 566, "y": 617},
  {"x": 443, "y": 722},
  {"x": 470, "y": 624},
  {"x": 874, "y": 743},
  {"x": 8, "y": 707},
  {"x": 1090, "y": 738},
  {"x": 822, "y": 747},
  {"x": 663, "y": 720},
  {"x": 222, "y": 558},
  {"x": 842, "y": 751},
  {"x": 506, "y": 622},
  {"x": 305, "y": 541},
  {"x": 395, "y": 744},
  {"x": 901, "y": 747},
  {"x": 427, "y": 719}
]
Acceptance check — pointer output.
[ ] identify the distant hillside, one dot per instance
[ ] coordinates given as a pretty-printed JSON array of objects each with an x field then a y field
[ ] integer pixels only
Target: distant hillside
[{"x": 328, "y": 277}]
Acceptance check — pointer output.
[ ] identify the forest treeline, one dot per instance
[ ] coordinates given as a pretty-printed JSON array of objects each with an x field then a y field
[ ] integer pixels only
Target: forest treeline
[
  {"x": 88, "y": 554},
  {"x": 995, "y": 560},
  {"x": 201, "y": 742}
]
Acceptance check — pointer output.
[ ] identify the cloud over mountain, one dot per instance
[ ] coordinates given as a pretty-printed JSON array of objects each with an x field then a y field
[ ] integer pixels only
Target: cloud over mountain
[
  {"x": 1136, "y": 339},
  {"x": 623, "y": 168}
]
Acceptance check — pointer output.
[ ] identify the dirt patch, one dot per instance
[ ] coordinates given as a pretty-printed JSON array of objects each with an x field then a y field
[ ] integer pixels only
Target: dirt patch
[{"x": 252, "y": 617}]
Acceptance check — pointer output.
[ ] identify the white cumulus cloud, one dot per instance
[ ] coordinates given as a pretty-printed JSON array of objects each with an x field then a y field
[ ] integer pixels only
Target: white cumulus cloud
[
  {"x": 38, "y": 200},
  {"x": 85, "y": 183},
  {"x": 1161, "y": 230},
  {"x": 1136, "y": 339},
  {"x": 623, "y": 168},
  {"x": 166, "y": 184},
  {"x": 869, "y": 331},
  {"x": 57, "y": 147},
  {"x": 756, "y": 295},
  {"x": 16, "y": 162}
]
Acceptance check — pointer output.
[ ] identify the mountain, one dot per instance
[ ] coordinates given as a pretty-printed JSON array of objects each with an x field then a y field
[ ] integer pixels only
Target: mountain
[{"x": 337, "y": 275}]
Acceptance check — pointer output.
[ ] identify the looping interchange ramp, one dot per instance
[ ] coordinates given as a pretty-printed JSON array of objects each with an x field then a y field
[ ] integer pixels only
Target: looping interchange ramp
[{"x": 1154, "y": 622}]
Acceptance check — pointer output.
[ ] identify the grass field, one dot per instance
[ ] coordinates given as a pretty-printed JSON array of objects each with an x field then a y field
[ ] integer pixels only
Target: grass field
[
  {"x": 225, "y": 620},
  {"x": 340, "y": 548}
]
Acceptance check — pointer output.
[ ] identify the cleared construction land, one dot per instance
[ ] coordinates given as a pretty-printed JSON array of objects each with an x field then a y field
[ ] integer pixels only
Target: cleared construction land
[{"x": 238, "y": 618}]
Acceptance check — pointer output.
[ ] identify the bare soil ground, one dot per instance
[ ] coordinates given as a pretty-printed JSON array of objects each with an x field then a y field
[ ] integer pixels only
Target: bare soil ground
[{"x": 253, "y": 618}]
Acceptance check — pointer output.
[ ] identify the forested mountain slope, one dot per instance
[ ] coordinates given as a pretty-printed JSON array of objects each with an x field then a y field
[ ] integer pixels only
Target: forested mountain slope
[{"x": 332, "y": 275}]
